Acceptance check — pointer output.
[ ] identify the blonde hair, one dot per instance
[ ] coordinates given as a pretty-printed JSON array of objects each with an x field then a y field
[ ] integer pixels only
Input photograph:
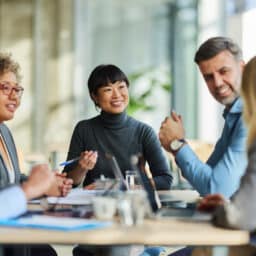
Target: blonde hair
[
  {"x": 7, "y": 64},
  {"x": 248, "y": 92}
]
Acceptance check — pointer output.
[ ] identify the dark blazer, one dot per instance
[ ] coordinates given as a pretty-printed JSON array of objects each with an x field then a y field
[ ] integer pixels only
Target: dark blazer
[{"x": 8, "y": 139}]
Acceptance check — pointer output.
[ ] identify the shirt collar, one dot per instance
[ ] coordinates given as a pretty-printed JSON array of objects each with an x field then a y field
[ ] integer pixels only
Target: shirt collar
[{"x": 236, "y": 108}]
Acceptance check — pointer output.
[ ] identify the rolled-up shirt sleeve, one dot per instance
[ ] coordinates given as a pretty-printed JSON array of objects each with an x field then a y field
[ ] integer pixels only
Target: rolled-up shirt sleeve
[
  {"x": 225, "y": 166},
  {"x": 222, "y": 178},
  {"x": 13, "y": 202}
]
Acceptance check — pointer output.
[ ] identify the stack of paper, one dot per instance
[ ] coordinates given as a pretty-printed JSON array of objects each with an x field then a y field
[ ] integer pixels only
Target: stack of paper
[{"x": 77, "y": 196}]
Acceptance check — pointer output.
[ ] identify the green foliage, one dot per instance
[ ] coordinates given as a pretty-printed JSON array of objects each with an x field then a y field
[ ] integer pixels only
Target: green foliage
[{"x": 143, "y": 84}]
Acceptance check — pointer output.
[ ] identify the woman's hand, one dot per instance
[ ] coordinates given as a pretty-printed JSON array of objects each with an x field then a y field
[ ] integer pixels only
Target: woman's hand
[
  {"x": 64, "y": 183},
  {"x": 210, "y": 202},
  {"x": 85, "y": 163},
  {"x": 39, "y": 181},
  {"x": 88, "y": 160},
  {"x": 61, "y": 185},
  {"x": 91, "y": 186}
]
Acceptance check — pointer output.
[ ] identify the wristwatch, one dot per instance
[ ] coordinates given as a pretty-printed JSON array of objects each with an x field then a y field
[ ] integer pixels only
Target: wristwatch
[{"x": 176, "y": 144}]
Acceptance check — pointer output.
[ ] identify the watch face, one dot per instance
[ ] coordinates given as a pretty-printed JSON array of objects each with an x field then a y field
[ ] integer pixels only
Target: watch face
[{"x": 176, "y": 144}]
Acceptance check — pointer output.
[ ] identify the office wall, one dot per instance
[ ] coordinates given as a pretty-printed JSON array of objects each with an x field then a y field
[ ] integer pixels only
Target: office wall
[
  {"x": 15, "y": 37},
  {"x": 38, "y": 34},
  {"x": 233, "y": 18},
  {"x": 58, "y": 43},
  {"x": 211, "y": 22}
]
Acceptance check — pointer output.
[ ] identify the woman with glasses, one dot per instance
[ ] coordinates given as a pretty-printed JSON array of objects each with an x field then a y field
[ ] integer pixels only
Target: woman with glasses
[
  {"x": 10, "y": 95},
  {"x": 10, "y": 98},
  {"x": 116, "y": 133}
]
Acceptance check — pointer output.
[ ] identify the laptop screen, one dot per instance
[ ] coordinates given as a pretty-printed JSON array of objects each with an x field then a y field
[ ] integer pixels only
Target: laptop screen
[
  {"x": 147, "y": 185},
  {"x": 117, "y": 171}
]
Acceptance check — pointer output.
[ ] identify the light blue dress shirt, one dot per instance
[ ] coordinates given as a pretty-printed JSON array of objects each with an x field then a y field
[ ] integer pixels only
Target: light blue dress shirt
[
  {"x": 224, "y": 168},
  {"x": 13, "y": 202}
]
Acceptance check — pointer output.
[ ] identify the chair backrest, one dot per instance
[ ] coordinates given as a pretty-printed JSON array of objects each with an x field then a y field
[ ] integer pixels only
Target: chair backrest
[{"x": 202, "y": 149}]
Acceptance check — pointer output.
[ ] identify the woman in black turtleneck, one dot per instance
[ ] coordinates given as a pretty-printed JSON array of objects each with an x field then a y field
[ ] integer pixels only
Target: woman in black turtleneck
[{"x": 114, "y": 132}]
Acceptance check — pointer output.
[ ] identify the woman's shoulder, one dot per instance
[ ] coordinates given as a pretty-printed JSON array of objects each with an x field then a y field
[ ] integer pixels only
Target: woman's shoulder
[
  {"x": 87, "y": 123},
  {"x": 141, "y": 126},
  {"x": 6, "y": 133},
  {"x": 4, "y": 129}
]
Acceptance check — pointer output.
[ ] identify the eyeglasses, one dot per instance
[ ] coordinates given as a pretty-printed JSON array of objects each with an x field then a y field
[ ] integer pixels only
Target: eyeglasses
[{"x": 7, "y": 89}]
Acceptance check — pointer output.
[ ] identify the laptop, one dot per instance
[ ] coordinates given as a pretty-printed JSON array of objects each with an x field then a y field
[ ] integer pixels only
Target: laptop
[
  {"x": 117, "y": 172},
  {"x": 175, "y": 209}
]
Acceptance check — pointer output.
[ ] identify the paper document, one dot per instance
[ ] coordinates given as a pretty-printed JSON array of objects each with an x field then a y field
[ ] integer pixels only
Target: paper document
[
  {"x": 49, "y": 222},
  {"x": 77, "y": 196}
]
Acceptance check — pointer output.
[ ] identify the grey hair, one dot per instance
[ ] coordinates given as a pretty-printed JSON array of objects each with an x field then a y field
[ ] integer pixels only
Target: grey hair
[{"x": 213, "y": 46}]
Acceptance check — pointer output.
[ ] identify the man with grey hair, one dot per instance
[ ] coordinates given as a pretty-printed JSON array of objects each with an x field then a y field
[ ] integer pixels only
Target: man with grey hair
[{"x": 220, "y": 62}]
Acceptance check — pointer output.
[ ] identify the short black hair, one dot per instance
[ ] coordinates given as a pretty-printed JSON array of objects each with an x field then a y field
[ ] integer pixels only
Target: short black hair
[
  {"x": 103, "y": 75},
  {"x": 213, "y": 46}
]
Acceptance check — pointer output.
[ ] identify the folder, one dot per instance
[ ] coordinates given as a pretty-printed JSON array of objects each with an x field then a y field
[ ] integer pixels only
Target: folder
[{"x": 55, "y": 223}]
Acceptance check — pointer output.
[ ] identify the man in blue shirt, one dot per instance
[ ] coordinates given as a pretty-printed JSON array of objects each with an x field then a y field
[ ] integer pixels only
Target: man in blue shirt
[{"x": 220, "y": 62}]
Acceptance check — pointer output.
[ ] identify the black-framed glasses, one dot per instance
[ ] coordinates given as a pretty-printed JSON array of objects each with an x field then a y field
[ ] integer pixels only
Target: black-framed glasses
[{"x": 7, "y": 89}]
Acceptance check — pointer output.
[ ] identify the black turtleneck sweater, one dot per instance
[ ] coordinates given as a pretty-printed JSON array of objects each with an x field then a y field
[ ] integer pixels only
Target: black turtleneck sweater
[{"x": 122, "y": 136}]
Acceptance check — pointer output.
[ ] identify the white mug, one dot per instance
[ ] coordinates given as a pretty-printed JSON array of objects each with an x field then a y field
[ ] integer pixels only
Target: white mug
[{"x": 104, "y": 207}]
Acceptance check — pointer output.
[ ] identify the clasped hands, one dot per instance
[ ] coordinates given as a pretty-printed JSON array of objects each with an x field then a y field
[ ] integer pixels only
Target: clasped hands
[
  {"x": 60, "y": 186},
  {"x": 43, "y": 181},
  {"x": 171, "y": 129}
]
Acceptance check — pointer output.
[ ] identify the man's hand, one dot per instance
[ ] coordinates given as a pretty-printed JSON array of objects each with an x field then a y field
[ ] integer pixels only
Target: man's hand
[
  {"x": 39, "y": 181},
  {"x": 210, "y": 202},
  {"x": 61, "y": 185},
  {"x": 171, "y": 129}
]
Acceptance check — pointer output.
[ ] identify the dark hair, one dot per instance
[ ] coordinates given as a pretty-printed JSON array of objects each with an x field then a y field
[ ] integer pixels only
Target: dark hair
[
  {"x": 103, "y": 75},
  {"x": 213, "y": 46},
  {"x": 7, "y": 64}
]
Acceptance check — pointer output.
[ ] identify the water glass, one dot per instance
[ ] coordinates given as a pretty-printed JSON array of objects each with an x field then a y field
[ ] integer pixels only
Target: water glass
[
  {"x": 132, "y": 207},
  {"x": 132, "y": 181}
]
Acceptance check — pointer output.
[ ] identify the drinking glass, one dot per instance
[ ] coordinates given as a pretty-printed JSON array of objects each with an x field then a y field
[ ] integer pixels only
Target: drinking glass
[{"x": 132, "y": 180}]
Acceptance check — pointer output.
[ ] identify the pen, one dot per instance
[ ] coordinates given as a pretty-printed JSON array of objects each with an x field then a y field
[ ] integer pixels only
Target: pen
[{"x": 69, "y": 161}]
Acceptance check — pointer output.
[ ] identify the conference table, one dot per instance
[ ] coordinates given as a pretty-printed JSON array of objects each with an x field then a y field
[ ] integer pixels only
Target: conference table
[{"x": 157, "y": 231}]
